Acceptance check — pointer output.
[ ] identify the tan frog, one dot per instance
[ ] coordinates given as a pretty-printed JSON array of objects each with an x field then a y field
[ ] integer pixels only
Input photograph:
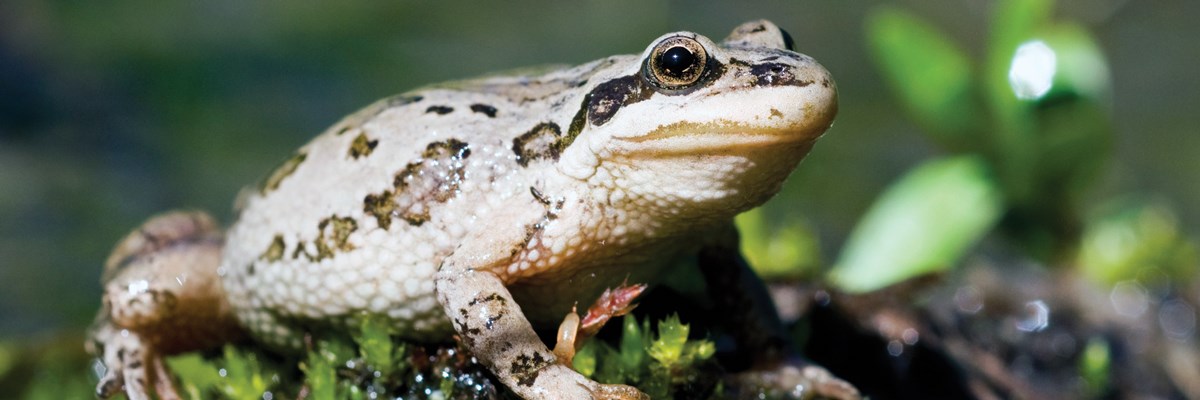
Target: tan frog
[{"x": 485, "y": 208}]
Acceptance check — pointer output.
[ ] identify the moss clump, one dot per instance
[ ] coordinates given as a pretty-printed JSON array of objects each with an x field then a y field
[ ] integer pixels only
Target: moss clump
[
  {"x": 664, "y": 365},
  {"x": 374, "y": 363}
]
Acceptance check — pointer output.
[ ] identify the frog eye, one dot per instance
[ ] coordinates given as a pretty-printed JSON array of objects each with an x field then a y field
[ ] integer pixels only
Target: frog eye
[{"x": 676, "y": 62}]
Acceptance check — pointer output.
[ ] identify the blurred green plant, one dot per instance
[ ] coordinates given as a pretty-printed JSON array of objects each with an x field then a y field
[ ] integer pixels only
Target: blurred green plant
[
  {"x": 1137, "y": 239},
  {"x": 1028, "y": 130},
  {"x": 922, "y": 223},
  {"x": 776, "y": 250},
  {"x": 47, "y": 368},
  {"x": 1095, "y": 367}
]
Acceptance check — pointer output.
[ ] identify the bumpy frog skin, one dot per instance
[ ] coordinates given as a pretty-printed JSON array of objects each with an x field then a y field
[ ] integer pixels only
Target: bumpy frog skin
[{"x": 483, "y": 208}]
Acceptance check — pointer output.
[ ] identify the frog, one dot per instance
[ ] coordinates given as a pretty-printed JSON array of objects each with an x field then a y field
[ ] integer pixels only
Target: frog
[{"x": 481, "y": 209}]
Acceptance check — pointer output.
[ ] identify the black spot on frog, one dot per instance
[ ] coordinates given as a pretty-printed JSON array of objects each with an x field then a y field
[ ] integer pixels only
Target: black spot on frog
[
  {"x": 492, "y": 297},
  {"x": 402, "y": 100},
  {"x": 275, "y": 250},
  {"x": 396, "y": 101},
  {"x": 526, "y": 367},
  {"x": 362, "y": 146},
  {"x": 433, "y": 178},
  {"x": 282, "y": 172},
  {"x": 607, "y": 98},
  {"x": 484, "y": 109},
  {"x": 775, "y": 74},
  {"x": 333, "y": 234},
  {"x": 539, "y": 143}
]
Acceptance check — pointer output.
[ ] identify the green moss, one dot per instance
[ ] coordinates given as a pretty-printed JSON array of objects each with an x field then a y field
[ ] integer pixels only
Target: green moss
[
  {"x": 377, "y": 347},
  {"x": 236, "y": 374},
  {"x": 664, "y": 364},
  {"x": 372, "y": 362}
]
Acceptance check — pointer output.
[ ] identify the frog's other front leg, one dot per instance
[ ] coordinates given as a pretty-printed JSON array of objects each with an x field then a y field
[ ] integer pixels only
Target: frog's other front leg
[
  {"x": 162, "y": 296},
  {"x": 752, "y": 320},
  {"x": 131, "y": 366},
  {"x": 493, "y": 327}
]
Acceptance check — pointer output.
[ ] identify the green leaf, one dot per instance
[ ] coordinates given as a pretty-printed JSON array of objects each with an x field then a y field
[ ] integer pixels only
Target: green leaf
[
  {"x": 929, "y": 73},
  {"x": 585, "y": 359},
  {"x": 923, "y": 223},
  {"x": 700, "y": 350},
  {"x": 1074, "y": 132},
  {"x": 1013, "y": 22},
  {"x": 1081, "y": 69},
  {"x": 657, "y": 384},
  {"x": 243, "y": 375},
  {"x": 668, "y": 346},
  {"x": 632, "y": 346},
  {"x": 320, "y": 374},
  {"x": 610, "y": 368},
  {"x": 196, "y": 375},
  {"x": 1015, "y": 145},
  {"x": 376, "y": 346}
]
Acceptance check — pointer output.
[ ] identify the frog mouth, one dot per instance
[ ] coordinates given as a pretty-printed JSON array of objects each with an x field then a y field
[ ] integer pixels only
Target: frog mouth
[{"x": 719, "y": 137}]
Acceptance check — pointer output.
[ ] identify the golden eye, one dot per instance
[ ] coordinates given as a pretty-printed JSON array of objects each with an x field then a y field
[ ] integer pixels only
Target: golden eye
[{"x": 676, "y": 62}]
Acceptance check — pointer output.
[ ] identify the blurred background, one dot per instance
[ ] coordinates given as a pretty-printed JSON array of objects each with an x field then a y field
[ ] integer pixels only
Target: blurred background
[{"x": 111, "y": 112}]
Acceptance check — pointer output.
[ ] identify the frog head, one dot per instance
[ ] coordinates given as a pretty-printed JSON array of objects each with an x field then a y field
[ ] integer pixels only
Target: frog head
[{"x": 711, "y": 128}]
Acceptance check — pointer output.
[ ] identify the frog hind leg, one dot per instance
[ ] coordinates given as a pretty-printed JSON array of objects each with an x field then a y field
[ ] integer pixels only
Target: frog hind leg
[
  {"x": 752, "y": 320},
  {"x": 162, "y": 296}
]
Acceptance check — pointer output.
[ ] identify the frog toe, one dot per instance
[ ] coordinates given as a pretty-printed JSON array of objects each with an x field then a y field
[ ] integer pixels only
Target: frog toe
[
  {"x": 126, "y": 369},
  {"x": 128, "y": 361},
  {"x": 110, "y": 384}
]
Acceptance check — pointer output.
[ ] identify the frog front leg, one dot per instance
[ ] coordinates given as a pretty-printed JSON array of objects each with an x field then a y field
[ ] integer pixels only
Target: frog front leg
[
  {"x": 162, "y": 296},
  {"x": 752, "y": 320},
  {"x": 491, "y": 324}
]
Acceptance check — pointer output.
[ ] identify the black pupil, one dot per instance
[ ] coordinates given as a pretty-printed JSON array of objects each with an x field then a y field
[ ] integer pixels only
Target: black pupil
[{"x": 676, "y": 60}]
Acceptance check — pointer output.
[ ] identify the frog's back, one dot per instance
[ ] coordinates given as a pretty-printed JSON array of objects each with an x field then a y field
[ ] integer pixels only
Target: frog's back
[{"x": 358, "y": 219}]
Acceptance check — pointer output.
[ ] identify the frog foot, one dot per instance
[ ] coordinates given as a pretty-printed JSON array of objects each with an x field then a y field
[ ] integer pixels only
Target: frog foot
[
  {"x": 131, "y": 367},
  {"x": 573, "y": 331},
  {"x": 162, "y": 296},
  {"x": 614, "y": 302},
  {"x": 799, "y": 380}
]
